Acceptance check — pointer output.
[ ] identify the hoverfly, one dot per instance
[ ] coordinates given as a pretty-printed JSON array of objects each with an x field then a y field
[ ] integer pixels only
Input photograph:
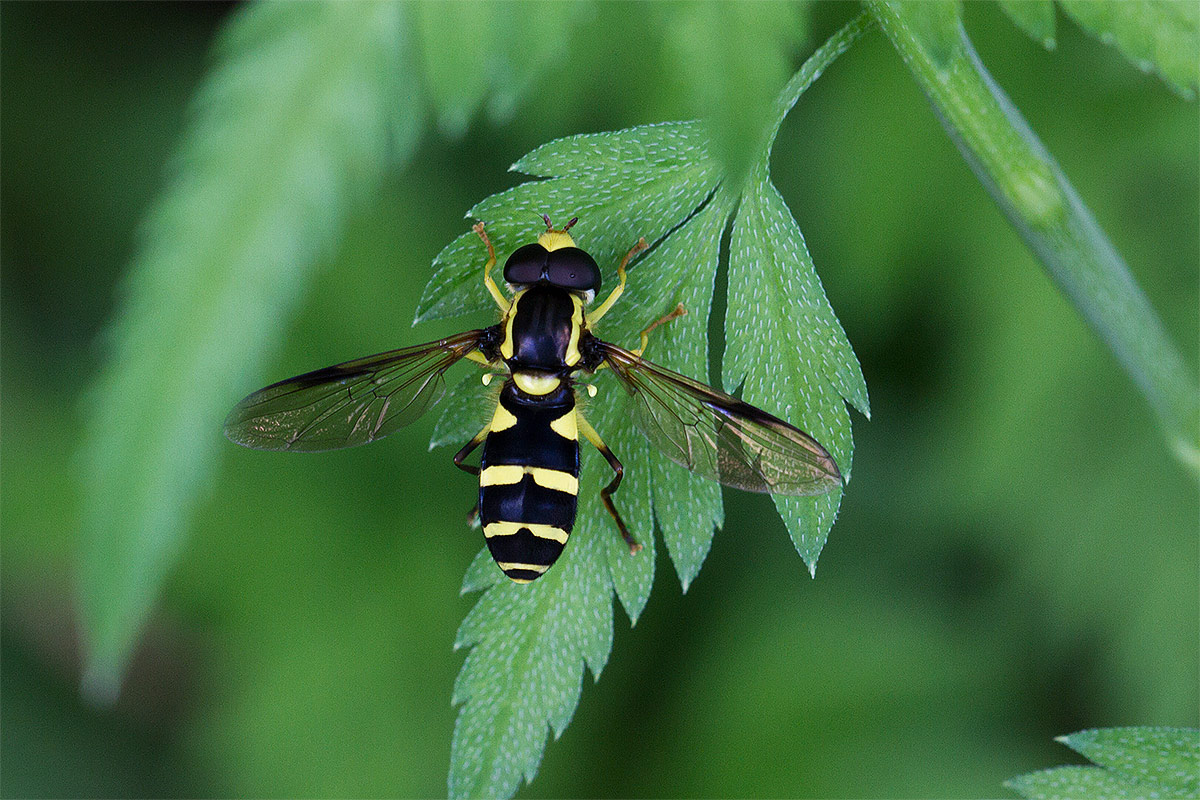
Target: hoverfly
[{"x": 529, "y": 468}]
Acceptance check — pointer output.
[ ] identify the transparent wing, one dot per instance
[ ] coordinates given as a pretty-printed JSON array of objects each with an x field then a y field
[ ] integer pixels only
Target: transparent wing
[
  {"x": 718, "y": 436},
  {"x": 351, "y": 403}
]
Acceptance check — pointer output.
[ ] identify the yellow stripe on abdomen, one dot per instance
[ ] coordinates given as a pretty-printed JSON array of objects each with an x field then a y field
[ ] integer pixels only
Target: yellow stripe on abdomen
[
  {"x": 508, "y": 474},
  {"x": 507, "y": 565},
  {"x": 550, "y": 479},
  {"x": 501, "y": 475},
  {"x": 554, "y": 479},
  {"x": 538, "y": 530}
]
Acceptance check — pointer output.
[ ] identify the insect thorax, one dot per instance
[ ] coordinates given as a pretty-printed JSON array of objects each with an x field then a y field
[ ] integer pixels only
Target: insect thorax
[{"x": 542, "y": 331}]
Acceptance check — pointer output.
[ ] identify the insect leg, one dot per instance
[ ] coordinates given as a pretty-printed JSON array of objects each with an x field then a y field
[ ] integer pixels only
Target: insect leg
[
  {"x": 595, "y": 316},
  {"x": 460, "y": 456},
  {"x": 469, "y": 448},
  {"x": 492, "y": 288},
  {"x": 606, "y": 493},
  {"x": 675, "y": 314}
]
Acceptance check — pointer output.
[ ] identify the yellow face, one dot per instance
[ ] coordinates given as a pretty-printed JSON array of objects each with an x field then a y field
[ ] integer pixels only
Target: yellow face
[{"x": 555, "y": 240}]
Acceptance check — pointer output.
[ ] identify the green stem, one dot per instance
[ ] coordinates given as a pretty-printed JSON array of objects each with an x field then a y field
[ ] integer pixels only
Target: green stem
[
  {"x": 1023, "y": 178},
  {"x": 812, "y": 68}
]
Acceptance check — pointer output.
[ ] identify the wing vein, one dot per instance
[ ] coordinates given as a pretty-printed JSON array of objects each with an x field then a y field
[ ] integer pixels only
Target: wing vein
[{"x": 719, "y": 436}]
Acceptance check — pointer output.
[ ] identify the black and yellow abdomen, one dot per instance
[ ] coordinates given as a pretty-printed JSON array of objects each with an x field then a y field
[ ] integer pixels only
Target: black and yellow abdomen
[{"x": 529, "y": 479}]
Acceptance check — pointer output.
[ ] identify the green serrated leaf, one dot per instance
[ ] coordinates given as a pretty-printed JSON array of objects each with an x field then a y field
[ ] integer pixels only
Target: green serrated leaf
[
  {"x": 1133, "y": 763},
  {"x": 482, "y": 574},
  {"x": 591, "y": 188},
  {"x": 501, "y": 730},
  {"x": 529, "y": 646},
  {"x": 683, "y": 271},
  {"x": 786, "y": 349},
  {"x": 1071, "y": 783},
  {"x": 1165, "y": 757},
  {"x": 632, "y": 574},
  {"x": 1155, "y": 35},
  {"x": 1160, "y": 36},
  {"x": 664, "y": 146},
  {"x": 529, "y": 642},
  {"x": 768, "y": 249},
  {"x": 813, "y": 367},
  {"x": 292, "y": 127},
  {"x": 1035, "y": 17}
]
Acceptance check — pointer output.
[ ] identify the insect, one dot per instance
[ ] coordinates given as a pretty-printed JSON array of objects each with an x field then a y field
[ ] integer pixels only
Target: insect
[{"x": 529, "y": 467}]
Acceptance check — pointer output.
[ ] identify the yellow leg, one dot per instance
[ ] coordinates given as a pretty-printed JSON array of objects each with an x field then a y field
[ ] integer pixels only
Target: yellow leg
[
  {"x": 677, "y": 313},
  {"x": 590, "y": 434},
  {"x": 497, "y": 295},
  {"x": 595, "y": 316}
]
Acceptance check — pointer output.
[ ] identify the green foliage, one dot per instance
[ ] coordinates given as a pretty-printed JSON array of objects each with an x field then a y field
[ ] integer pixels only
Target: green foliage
[
  {"x": 933, "y": 28},
  {"x": 734, "y": 93},
  {"x": 1035, "y": 17},
  {"x": 1131, "y": 763},
  {"x": 683, "y": 270},
  {"x": 1158, "y": 35},
  {"x": 525, "y": 669},
  {"x": 475, "y": 54},
  {"x": 531, "y": 643},
  {"x": 778, "y": 316},
  {"x": 1155, "y": 35},
  {"x": 308, "y": 108},
  {"x": 593, "y": 176},
  {"x": 1025, "y": 181},
  {"x": 294, "y": 126}
]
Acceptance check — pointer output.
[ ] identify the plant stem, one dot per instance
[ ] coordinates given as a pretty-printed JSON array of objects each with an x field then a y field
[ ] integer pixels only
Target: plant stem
[
  {"x": 1015, "y": 167},
  {"x": 812, "y": 68}
]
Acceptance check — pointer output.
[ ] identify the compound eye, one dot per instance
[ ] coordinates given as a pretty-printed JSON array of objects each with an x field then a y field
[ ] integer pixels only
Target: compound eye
[
  {"x": 526, "y": 263},
  {"x": 572, "y": 268}
]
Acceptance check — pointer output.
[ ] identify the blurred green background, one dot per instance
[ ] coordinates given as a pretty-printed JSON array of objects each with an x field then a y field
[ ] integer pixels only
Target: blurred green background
[{"x": 1015, "y": 558}]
